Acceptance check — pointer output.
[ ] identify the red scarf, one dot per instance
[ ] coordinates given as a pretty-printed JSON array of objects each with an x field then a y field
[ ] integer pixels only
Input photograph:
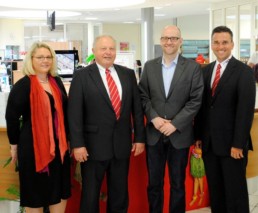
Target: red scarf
[{"x": 42, "y": 124}]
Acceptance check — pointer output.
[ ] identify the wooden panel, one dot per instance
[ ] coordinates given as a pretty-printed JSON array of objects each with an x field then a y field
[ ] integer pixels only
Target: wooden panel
[
  {"x": 19, "y": 65},
  {"x": 17, "y": 75},
  {"x": 252, "y": 168},
  {"x": 8, "y": 176},
  {"x": 67, "y": 45},
  {"x": 58, "y": 45}
]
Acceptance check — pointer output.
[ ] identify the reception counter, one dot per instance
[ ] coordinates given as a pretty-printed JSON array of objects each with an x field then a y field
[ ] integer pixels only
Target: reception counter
[
  {"x": 137, "y": 179},
  {"x": 8, "y": 176},
  {"x": 252, "y": 168}
]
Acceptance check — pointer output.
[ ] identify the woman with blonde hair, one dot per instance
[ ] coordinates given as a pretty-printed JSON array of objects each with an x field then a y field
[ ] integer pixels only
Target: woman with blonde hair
[{"x": 40, "y": 142}]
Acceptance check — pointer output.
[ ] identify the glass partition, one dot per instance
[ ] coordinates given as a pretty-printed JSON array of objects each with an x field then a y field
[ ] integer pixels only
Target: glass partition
[
  {"x": 231, "y": 22},
  {"x": 217, "y": 18},
  {"x": 244, "y": 31},
  {"x": 256, "y": 17}
]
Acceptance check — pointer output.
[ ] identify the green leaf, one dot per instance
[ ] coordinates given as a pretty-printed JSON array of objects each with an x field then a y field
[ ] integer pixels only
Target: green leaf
[
  {"x": 2, "y": 198},
  {"x": 16, "y": 167},
  {"x": 13, "y": 191},
  {"x": 7, "y": 162},
  {"x": 90, "y": 58}
]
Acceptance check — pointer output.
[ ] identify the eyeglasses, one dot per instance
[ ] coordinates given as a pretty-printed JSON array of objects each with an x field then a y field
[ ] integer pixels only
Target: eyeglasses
[
  {"x": 42, "y": 58},
  {"x": 166, "y": 39}
]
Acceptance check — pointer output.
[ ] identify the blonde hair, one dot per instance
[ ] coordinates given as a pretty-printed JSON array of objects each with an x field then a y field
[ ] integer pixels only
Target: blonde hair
[{"x": 28, "y": 67}]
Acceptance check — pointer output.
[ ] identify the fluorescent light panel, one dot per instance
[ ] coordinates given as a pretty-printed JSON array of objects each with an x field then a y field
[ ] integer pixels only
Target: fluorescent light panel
[
  {"x": 35, "y": 14},
  {"x": 69, "y": 5}
]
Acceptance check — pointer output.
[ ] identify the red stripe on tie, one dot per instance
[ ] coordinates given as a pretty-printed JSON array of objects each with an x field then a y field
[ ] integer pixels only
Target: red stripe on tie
[
  {"x": 114, "y": 94},
  {"x": 216, "y": 80}
]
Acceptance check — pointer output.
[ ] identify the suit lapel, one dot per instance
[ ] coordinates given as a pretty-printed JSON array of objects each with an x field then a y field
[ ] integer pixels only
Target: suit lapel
[
  {"x": 225, "y": 76},
  {"x": 124, "y": 84},
  {"x": 158, "y": 75},
  {"x": 209, "y": 76},
  {"x": 95, "y": 75},
  {"x": 178, "y": 73}
]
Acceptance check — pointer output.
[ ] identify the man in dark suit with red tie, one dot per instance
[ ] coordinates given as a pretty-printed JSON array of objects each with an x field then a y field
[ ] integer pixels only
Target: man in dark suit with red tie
[
  {"x": 104, "y": 108},
  {"x": 223, "y": 125}
]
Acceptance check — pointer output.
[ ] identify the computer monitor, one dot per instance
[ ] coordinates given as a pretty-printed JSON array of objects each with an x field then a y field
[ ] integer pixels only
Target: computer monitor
[{"x": 65, "y": 63}]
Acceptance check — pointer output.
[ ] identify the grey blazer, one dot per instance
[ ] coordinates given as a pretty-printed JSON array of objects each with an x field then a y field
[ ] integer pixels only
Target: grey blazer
[{"x": 180, "y": 106}]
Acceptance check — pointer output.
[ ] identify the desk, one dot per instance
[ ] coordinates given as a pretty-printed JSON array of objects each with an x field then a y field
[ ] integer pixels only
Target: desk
[
  {"x": 137, "y": 178},
  {"x": 8, "y": 176},
  {"x": 252, "y": 168}
]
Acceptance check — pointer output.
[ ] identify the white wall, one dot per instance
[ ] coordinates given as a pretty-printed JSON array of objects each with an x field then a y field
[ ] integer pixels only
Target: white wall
[
  {"x": 11, "y": 33},
  {"x": 195, "y": 27},
  {"x": 126, "y": 33}
]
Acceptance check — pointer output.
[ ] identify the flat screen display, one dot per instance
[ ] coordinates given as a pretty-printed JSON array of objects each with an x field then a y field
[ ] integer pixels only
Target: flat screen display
[{"x": 65, "y": 62}]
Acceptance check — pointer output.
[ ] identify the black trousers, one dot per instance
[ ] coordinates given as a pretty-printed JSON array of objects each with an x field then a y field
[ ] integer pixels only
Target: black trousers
[
  {"x": 227, "y": 184},
  {"x": 93, "y": 173},
  {"x": 157, "y": 157}
]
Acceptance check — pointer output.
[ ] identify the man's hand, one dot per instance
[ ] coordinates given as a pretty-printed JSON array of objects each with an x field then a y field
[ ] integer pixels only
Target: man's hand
[
  {"x": 14, "y": 153},
  {"x": 158, "y": 122},
  {"x": 80, "y": 154},
  {"x": 237, "y": 153},
  {"x": 167, "y": 128},
  {"x": 138, "y": 148}
]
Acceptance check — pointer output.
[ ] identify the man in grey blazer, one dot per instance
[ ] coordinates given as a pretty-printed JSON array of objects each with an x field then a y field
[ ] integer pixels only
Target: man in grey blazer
[
  {"x": 101, "y": 136},
  {"x": 171, "y": 90}
]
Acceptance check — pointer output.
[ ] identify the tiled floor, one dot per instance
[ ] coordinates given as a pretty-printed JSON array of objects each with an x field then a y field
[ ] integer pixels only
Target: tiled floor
[{"x": 253, "y": 200}]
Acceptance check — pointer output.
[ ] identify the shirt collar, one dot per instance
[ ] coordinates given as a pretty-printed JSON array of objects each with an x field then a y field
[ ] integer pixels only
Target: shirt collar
[
  {"x": 174, "y": 61},
  {"x": 224, "y": 63},
  {"x": 101, "y": 68}
]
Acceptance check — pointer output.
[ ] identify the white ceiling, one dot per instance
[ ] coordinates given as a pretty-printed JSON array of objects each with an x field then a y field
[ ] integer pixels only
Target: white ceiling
[{"x": 164, "y": 9}]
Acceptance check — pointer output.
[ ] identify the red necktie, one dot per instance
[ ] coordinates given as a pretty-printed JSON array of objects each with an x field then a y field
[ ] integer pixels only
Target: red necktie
[
  {"x": 216, "y": 80},
  {"x": 114, "y": 95}
]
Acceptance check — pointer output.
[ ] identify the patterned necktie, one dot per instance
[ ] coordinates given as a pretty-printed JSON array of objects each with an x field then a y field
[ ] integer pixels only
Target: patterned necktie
[
  {"x": 216, "y": 80},
  {"x": 114, "y": 95}
]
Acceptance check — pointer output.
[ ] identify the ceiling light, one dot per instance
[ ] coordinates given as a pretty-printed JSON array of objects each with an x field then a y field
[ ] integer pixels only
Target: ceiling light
[
  {"x": 245, "y": 17},
  {"x": 231, "y": 17},
  {"x": 159, "y": 15},
  {"x": 91, "y": 18},
  {"x": 69, "y": 5},
  {"x": 35, "y": 14}
]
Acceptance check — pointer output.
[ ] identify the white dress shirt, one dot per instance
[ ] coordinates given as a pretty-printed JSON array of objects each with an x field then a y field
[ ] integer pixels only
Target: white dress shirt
[{"x": 114, "y": 75}]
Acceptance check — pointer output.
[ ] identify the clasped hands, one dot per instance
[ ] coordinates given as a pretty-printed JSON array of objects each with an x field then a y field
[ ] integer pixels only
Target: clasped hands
[{"x": 163, "y": 125}]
